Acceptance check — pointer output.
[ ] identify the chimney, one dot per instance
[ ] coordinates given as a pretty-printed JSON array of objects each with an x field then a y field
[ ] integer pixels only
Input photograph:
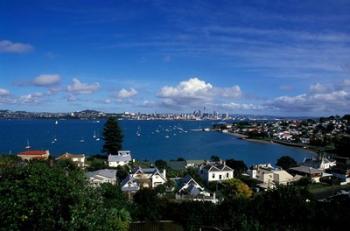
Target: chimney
[{"x": 164, "y": 173}]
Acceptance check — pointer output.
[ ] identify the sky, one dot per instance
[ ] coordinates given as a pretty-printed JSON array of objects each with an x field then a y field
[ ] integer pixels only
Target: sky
[{"x": 240, "y": 57}]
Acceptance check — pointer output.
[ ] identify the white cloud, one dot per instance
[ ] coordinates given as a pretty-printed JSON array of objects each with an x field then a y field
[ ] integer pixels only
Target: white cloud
[
  {"x": 4, "y": 92},
  {"x": 318, "y": 88},
  {"x": 78, "y": 87},
  {"x": 45, "y": 80},
  {"x": 124, "y": 93},
  {"x": 31, "y": 98},
  {"x": 192, "y": 88},
  {"x": 240, "y": 106},
  {"x": 195, "y": 92},
  {"x": 321, "y": 98},
  {"x": 231, "y": 92},
  {"x": 7, "y": 46}
]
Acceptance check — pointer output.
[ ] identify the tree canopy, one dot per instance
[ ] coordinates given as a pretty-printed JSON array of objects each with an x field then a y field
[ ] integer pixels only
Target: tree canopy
[
  {"x": 286, "y": 162},
  {"x": 238, "y": 165},
  {"x": 234, "y": 188},
  {"x": 35, "y": 196},
  {"x": 112, "y": 136}
]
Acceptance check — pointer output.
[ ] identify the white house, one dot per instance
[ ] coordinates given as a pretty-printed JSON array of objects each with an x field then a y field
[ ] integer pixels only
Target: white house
[
  {"x": 130, "y": 184},
  {"x": 322, "y": 163},
  {"x": 189, "y": 189},
  {"x": 215, "y": 171},
  {"x": 269, "y": 176},
  {"x": 78, "y": 159},
  {"x": 123, "y": 158},
  {"x": 143, "y": 178},
  {"x": 102, "y": 176}
]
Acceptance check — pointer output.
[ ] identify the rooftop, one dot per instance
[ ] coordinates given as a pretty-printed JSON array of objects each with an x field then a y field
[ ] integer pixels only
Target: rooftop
[{"x": 34, "y": 153}]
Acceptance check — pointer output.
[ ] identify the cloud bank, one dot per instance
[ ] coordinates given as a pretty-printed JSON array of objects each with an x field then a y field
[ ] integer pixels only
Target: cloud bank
[{"x": 7, "y": 46}]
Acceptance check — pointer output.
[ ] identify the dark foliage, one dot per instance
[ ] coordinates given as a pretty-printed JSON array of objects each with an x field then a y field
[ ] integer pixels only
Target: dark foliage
[
  {"x": 238, "y": 165},
  {"x": 160, "y": 164},
  {"x": 112, "y": 136},
  {"x": 286, "y": 162}
]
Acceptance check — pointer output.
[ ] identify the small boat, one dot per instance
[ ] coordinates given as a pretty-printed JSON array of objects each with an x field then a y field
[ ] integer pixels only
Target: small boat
[
  {"x": 28, "y": 146},
  {"x": 82, "y": 141},
  {"x": 56, "y": 122},
  {"x": 97, "y": 139},
  {"x": 94, "y": 136},
  {"x": 167, "y": 137}
]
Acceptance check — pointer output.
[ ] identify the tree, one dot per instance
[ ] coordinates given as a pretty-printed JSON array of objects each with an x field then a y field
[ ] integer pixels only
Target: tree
[
  {"x": 342, "y": 145},
  {"x": 238, "y": 166},
  {"x": 161, "y": 164},
  {"x": 286, "y": 162},
  {"x": 147, "y": 205},
  {"x": 235, "y": 188},
  {"x": 215, "y": 158},
  {"x": 36, "y": 196},
  {"x": 122, "y": 173},
  {"x": 113, "y": 137}
]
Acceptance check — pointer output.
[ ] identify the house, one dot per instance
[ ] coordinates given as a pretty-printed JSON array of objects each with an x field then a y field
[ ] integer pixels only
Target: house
[
  {"x": 123, "y": 158},
  {"x": 130, "y": 185},
  {"x": 189, "y": 189},
  {"x": 269, "y": 176},
  {"x": 215, "y": 171},
  {"x": 78, "y": 159},
  {"x": 322, "y": 163},
  {"x": 102, "y": 176},
  {"x": 149, "y": 177},
  {"x": 194, "y": 163},
  {"x": 314, "y": 174},
  {"x": 34, "y": 155},
  {"x": 143, "y": 178}
]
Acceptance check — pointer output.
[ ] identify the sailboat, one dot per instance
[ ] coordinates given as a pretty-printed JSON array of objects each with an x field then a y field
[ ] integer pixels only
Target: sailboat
[
  {"x": 56, "y": 122},
  {"x": 28, "y": 146},
  {"x": 94, "y": 136}
]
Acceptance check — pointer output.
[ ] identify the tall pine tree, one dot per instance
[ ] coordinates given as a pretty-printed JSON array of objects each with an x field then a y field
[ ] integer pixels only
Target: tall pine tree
[{"x": 113, "y": 137}]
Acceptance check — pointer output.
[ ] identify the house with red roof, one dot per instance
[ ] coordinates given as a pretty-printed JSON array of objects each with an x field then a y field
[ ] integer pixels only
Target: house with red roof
[{"x": 34, "y": 155}]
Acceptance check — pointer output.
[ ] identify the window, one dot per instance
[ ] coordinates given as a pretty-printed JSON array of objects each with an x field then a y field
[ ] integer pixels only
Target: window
[
  {"x": 213, "y": 176},
  {"x": 227, "y": 175},
  {"x": 220, "y": 177}
]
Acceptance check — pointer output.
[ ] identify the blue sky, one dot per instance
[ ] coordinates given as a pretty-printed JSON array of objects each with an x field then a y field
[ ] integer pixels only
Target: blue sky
[{"x": 256, "y": 57}]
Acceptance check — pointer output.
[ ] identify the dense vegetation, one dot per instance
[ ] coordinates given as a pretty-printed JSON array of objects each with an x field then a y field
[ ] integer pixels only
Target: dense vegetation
[
  {"x": 37, "y": 196},
  {"x": 56, "y": 196}
]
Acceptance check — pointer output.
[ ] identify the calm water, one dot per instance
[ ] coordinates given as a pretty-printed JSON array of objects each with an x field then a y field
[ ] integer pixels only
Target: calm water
[{"x": 156, "y": 140}]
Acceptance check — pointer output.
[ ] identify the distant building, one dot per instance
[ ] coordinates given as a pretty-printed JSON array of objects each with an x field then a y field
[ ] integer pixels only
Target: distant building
[
  {"x": 194, "y": 163},
  {"x": 34, "y": 155},
  {"x": 78, "y": 159},
  {"x": 102, "y": 176},
  {"x": 123, "y": 158},
  {"x": 314, "y": 174},
  {"x": 215, "y": 171},
  {"x": 320, "y": 163}
]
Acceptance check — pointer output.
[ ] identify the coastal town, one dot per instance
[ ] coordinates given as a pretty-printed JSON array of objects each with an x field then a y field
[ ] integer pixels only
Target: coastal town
[
  {"x": 325, "y": 177},
  {"x": 96, "y": 115}
]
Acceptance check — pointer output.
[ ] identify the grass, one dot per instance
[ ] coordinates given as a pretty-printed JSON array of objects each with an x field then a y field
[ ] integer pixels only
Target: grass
[{"x": 321, "y": 191}]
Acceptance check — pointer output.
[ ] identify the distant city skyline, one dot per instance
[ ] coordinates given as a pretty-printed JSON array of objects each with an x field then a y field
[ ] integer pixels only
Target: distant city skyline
[{"x": 285, "y": 58}]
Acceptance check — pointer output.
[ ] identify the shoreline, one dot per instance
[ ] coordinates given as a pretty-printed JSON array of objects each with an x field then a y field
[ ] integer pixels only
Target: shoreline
[{"x": 245, "y": 137}]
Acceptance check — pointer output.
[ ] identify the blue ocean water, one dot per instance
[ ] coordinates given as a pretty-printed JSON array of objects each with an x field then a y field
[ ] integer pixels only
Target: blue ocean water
[{"x": 147, "y": 140}]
